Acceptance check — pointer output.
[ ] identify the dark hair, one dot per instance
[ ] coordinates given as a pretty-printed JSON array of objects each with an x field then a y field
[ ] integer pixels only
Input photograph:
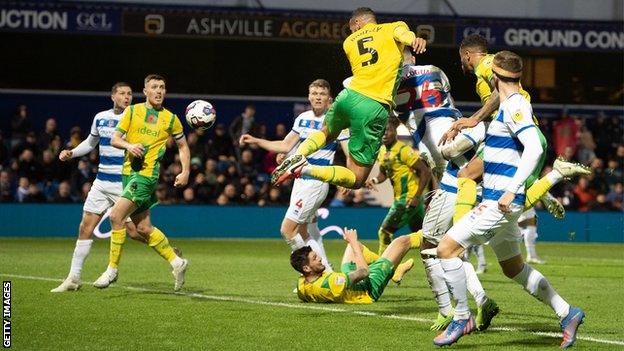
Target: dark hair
[
  {"x": 154, "y": 77},
  {"x": 299, "y": 258},
  {"x": 119, "y": 85},
  {"x": 320, "y": 83},
  {"x": 362, "y": 11},
  {"x": 475, "y": 41}
]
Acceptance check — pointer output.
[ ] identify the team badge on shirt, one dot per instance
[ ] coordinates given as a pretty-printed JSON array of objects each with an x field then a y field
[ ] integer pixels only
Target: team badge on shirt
[
  {"x": 517, "y": 116},
  {"x": 340, "y": 280}
]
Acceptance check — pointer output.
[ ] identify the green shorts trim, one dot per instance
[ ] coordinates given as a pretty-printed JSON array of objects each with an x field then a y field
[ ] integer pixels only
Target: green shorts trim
[
  {"x": 141, "y": 190},
  {"x": 379, "y": 274},
  {"x": 366, "y": 118},
  {"x": 399, "y": 215}
]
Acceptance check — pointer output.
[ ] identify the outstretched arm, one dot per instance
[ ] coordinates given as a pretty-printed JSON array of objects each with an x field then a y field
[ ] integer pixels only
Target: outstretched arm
[
  {"x": 350, "y": 235},
  {"x": 82, "y": 149},
  {"x": 278, "y": 146}
]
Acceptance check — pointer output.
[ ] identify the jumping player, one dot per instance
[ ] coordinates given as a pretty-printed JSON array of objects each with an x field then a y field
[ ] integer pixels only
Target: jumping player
[{"x": 375, "y": 55}]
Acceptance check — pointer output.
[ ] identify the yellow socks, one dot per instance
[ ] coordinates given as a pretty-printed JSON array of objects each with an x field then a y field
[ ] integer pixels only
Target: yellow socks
[
  {"x": 158, "y": 241},
  {"x": 466, "y": 197},
  {"x": 416, "y": 239},
  {"x": 385, "y": 238},
  {"x": 536, "y": 191},
  {"x": 336, "y": 175},
  {"x": 118, "y": 237},
  {"x": 369, "y": 256},
  {"x": 313, "y": 142}
]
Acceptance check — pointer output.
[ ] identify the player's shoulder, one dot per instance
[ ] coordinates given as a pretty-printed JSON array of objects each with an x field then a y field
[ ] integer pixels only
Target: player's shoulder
[
  {"x": 305, "y": 115},
  {"x": 104, "y": 114},
  {"x": 485, "y": 65},
  {"x": 393, "y": 25},
  {"x": 517, "y": 108}
]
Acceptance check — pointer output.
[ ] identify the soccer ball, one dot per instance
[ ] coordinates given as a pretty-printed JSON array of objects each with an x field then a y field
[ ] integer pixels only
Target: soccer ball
[{"x": 200, "y": 114}]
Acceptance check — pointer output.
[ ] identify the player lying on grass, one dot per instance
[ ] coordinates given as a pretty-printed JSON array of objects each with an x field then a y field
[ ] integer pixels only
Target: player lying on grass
[{"x": 364, "y": 274}]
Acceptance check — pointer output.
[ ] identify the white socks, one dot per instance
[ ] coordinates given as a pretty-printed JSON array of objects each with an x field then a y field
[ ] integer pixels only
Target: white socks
[
  {"x": 296, "y": 242},
  {"x": 435, "y": 276},
  {"x": 315, "y": 235},
  {"x": 537, "y": 285},
  {"x": 530, "y": 236},
  {"x": 554, "y": 177},
  {"x": 474, "y": 285},
  {"x": 176, "y": 262},
  {"x": 455, "y": 278},
  {"x": 81, "y": 251},
  {"x": 478, "y": 250}
]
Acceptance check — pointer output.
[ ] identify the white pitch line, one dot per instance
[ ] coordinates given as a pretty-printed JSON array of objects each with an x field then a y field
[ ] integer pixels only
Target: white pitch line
[{"x": 320, "y": 308}]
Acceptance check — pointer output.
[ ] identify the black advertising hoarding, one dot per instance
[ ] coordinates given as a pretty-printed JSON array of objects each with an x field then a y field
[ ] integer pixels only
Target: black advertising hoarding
[{"x": 259, "y": 25}]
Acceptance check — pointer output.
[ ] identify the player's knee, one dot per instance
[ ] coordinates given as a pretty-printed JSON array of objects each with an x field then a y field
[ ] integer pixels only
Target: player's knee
[
  {"x": 446, "y": 249},
  {"x": 117, "y": 218},
  {"x": 511, "y": 270},
  {"x": 144, "y": 229},
  {"x": 85, "y": 230}
]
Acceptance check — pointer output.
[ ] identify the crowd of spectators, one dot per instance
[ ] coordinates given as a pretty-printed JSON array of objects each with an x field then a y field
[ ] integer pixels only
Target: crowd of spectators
[{"x": 226, "y": 173}]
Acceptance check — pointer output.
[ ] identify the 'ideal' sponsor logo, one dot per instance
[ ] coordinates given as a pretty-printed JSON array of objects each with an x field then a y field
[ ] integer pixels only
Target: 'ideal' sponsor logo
[{"x": 148, "y": 131}]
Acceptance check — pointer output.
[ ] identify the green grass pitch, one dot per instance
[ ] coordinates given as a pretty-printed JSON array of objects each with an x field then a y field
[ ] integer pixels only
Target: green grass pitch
[{"x": 238, "y": 296}]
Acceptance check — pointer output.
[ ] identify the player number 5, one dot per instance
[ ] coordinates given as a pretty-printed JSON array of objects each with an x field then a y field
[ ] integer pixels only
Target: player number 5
[{"x": 367, "y": 50}]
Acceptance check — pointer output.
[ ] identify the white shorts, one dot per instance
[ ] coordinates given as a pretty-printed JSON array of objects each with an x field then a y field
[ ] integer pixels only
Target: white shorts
[
  {"x": 436, "y": 127},
  {"x": 102, "y": 196},
  {"x": 439, "y": 216},
  {"x": 305, "y": 199},
  {"x": 528, "y": 214},
  {"x": 487, "y": 223}
]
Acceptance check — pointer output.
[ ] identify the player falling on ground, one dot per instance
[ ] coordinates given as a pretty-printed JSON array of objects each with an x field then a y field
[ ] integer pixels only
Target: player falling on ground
[
  {"x": 146, "y": 127},
  {"x": 409, "y": 175},
  {"x": 375, "y": 55},
  {"x": 106, "y": 188},
  {"x": 474, "y": 58},
  {"x": 300, "y": 227},
  {"x": 364, "y": 274},
  {"x": 528, "y": 228},
  {"x": 513, "y": 149}
]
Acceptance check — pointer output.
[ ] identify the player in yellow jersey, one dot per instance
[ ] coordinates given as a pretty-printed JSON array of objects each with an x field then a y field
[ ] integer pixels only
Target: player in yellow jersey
[
  {"x": 475, "y": 58},
  {"x": 375, "y": 53},
  {"x": 146, "y": 127},
  {"x": 409, "y": 176},
  {"x": 364, "y": 274}
]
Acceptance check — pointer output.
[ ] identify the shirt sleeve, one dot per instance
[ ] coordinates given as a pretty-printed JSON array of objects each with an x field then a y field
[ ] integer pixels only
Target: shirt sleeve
[
  {"x": 177, "y": 130},
  {"x": 338, "y": 282},
  {"x": 94, "y": 130},
  {"x": 296, "y": 128},
  {"x": 408, "y": 156},
  {"x": 519, "y": 117},
  {"x": 124, "y": 122},
  {"x": 402, "y": 33}
]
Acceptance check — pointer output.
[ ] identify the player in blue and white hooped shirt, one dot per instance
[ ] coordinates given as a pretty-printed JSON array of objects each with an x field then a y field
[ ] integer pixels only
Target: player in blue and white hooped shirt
[
  {"x": 512, "y": 151},
  {"x": 424, "y": 100},
  {"x": 107, "y": 186},
  {"x": 299, "y": 227}
]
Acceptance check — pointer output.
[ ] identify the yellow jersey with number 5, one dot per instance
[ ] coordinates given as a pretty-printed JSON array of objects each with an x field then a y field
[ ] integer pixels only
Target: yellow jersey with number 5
[{"x": 375, "y": 53}]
